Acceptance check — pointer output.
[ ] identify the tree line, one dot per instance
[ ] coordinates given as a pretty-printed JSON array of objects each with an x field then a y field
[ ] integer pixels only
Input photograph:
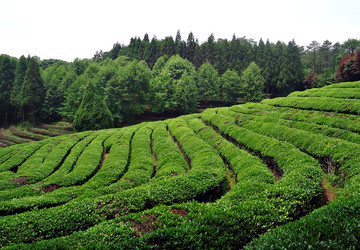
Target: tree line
[{"x": 168, "y": 76}]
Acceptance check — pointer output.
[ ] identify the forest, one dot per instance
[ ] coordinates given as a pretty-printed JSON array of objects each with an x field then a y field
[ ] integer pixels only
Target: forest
[{"x": 166, "y": 77}]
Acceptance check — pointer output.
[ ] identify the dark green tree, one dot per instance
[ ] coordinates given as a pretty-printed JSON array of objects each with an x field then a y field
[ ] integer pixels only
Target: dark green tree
[
  {"x": 221, "y": 56},
  {"x": 313, "y": 47},
  {"x": 54, "y": 92},
  {"x": 168, "y": 46},
  {"x": 7, "y": 77},
  {"x": 190, "y": 47},
  {"x": 180, "y": 45},
  {"x": 15, "y": 96},
  {"x": 93, "y": 114},
  {"x": 32, "y": 92},
  {"x": 351, "y": 45}
]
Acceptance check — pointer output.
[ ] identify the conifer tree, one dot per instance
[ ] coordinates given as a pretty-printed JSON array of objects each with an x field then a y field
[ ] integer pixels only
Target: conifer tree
[
  {"x": 20, "y": 72},
  {"x": 190, "y": 47},
  {"x": 32, "y": 91},
  {"x": 93, "y": 114},
  {"x": 7, "y": 75}
]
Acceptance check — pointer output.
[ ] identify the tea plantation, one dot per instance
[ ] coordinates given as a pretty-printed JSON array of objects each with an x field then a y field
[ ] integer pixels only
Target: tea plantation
[{"x": 283, "y": 173}]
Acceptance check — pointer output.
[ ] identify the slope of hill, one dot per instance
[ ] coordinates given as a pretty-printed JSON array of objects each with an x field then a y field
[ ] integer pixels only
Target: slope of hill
[
  {"x": 19, "y": 134},
  {"x": 280, "y": 173}
]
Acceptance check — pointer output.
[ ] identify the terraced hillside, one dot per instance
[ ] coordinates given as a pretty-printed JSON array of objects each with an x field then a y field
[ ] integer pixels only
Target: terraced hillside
[
  {"x": 280, "y": 173},
  {"x": 19, "y": 134}
]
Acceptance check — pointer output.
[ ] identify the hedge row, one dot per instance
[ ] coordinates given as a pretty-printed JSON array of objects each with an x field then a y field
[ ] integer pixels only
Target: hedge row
[
  {"x": 349, "y": 122},
  {"x": 353, "y": 93},
  {"x": 307, "y": 126},
  {"x": 141, "y": 167},
  {"x": 170, "y": 161},
  {"x": 301, "y": 180},
  {"x": 344, "y": 85},
  {"x": 204, "y": 178},
  {"x": 338, "y": 152},
  {"x": 349, "y": 106},
  {"x": 335, "y": 226},
  {"x": 34, "y": 170},
  {"x": 86, "y": 167},
  {"x": 252, "y": 176}
]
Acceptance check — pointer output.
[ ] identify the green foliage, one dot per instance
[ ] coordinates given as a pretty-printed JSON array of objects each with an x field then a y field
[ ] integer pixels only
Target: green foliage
[
  {"x": 185, "y": 95},
  {"x": 32, "y": 90},
  {"x": 231, "y": 87},
  {"x": 93, "y": 113},
  {"x": 208, "y": 82},
  {"x": 314, "y": 230},
  {"x": 248, "y": 176},
  {"x": 252, "y": 83},
  {"x": 167, "y": 96},
  {"x": 320, "y": 103}
]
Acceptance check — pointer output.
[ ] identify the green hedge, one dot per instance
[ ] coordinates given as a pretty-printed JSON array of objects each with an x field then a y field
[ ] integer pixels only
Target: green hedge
[
  {"x": 343, "y": 121},
  {"x": 170, "y": 161},
  {"x": 353, "y": 93},
  {"x": 335, "y": 226},
  {"x": 307, "y": 126},
  {"x": 252, "y": 176},
  {"x": 348, "y": 106},
  {"x": 342, "y": 153},
  {"x": 344, "y": 85},
  {"x": 300, "y": 184}
]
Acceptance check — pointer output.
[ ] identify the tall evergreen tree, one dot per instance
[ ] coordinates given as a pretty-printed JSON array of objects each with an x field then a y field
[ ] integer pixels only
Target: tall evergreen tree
[
  {"x": 221, "y": 56},
  {"x": 7, "y": 76},
  {"x": 190, "y": 47},
  {"x": 15, "y": 97},
  {"x": 32, "y": 92},
  {"x": 93, "y": 114},
  {"x": 153, "y": 50},
  {"x": 179, "y": 45},
  {"x": 313, "y": 48},
  {"x": 210, "y": 49}
]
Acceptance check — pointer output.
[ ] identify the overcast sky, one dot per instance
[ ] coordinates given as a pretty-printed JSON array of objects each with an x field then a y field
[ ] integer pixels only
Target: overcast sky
[{"x": 68, "y": 29}]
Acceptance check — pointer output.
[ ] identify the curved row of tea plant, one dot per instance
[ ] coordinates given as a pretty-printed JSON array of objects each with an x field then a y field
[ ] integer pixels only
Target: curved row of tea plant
[
  {"x": 336, "y": 120},
  {"x": 348, "y": 106},
  {"x": 348, "y": 93}
]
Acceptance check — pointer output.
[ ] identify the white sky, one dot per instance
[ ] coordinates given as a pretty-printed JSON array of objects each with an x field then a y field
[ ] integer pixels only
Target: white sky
[{"x": 68, "y": 29}]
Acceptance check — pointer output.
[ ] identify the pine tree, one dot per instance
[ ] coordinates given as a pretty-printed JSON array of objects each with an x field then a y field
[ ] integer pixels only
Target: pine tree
[
  {"x": 190, "y": 47},
  {"x": 93, "y": 114},
  {"x": 7, "y": 76},
  {"x": 15, "y": 95},
  {"x": 32, "y": 91}
]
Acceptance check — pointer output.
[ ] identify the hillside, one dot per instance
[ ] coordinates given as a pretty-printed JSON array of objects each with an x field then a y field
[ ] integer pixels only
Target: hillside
[
  {"x": 280, "y": 173},
  {"x": 22, "y": 134}
]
